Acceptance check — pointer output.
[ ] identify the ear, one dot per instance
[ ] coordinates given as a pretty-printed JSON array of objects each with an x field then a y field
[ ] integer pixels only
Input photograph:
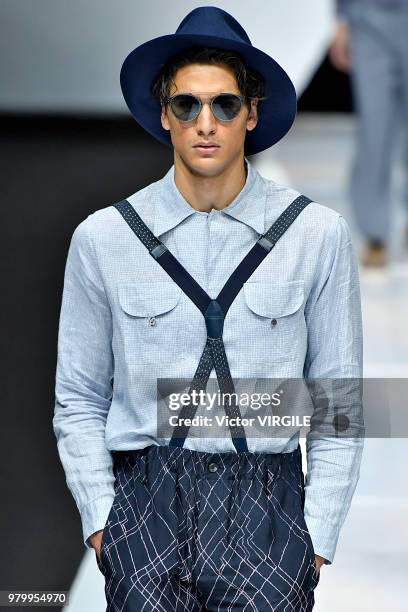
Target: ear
[
  {"x": 164, "y": 118},
  {"x": 252, "y": 118}
]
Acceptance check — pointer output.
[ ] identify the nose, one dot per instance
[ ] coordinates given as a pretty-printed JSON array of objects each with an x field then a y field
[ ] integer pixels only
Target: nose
[{"x": 206, "y": 123}]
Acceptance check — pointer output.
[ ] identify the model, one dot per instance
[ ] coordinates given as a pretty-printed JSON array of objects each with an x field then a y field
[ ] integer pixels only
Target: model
[{"x": 213, "y": 267}]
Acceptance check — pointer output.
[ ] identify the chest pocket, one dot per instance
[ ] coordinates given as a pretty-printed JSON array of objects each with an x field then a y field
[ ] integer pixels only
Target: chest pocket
[
  {"x": 149, "y": 320},
  {"x": 274, "y": 320}
]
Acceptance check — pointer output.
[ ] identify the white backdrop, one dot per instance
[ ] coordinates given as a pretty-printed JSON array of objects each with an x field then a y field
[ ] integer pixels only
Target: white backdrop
[{"x": 66, "y": 55}]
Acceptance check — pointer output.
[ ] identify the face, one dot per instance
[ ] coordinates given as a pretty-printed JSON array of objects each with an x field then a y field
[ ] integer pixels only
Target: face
[{"x": 206, "y": 80}]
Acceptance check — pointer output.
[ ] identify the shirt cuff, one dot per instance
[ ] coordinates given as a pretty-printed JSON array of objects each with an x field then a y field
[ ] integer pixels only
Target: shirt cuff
[
  {"x": 323, "y": 538},
  {"x": 94, "y": 516}
]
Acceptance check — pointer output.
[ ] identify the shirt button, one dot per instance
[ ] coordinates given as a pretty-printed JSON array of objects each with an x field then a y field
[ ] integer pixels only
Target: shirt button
[
  {"x": 152, "y": 321},
  {"x": 274, "y": 322},
  {"x": 212, "y": 467}
]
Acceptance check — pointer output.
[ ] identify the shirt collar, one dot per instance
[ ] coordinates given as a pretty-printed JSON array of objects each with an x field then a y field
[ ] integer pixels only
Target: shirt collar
[{"x": 248, "y": 207}]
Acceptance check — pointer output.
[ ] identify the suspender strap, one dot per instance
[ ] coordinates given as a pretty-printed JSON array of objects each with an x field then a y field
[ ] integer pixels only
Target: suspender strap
[
  {"x": 163, "y": 256},
  {"x": 213, "y": 310},
  {"x": 183, "y": 278},
  {"x": 213, "y": 354},
  {"x": 259, "y": 251}
]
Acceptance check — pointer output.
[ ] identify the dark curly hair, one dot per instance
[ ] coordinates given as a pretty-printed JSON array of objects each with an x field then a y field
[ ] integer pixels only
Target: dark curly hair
[{"x": 250, "y": 83}]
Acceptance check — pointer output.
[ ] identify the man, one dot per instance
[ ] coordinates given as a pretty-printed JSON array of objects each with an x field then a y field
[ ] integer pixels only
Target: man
[
  {"x": 370, "y": 42},
  {"x": 220, "y": 522}
]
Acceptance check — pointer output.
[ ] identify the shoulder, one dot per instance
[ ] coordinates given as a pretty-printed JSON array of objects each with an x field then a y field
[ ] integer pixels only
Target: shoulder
[
  {"x": 316, "y": 221},
  {"x": 105, "y": 225},
  {"x": 141, "y": 200}
]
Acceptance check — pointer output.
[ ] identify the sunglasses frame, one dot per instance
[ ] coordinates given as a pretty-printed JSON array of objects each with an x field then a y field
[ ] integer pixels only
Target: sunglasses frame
[{"x": 170, "y": 99}]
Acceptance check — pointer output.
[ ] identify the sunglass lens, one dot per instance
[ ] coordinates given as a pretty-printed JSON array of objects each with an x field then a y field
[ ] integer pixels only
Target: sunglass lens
[
  {"x": 185, "y": 107},
  {"x": 226, "y": 106}
]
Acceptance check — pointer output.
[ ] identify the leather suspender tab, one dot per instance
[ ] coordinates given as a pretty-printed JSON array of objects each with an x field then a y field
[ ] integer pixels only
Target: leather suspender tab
[{"x": 214, "y": 320}]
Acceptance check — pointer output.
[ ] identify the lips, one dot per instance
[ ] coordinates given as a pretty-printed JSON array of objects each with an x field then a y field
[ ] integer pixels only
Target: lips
[{"x": 206, "y": 147}]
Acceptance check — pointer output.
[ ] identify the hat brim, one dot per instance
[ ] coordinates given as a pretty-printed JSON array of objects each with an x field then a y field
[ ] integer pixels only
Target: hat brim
[{"x": 276, "y": 114}]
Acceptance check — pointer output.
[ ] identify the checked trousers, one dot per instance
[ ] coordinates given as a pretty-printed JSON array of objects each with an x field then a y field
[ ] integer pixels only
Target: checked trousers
[{"x": 197, "y": 531}]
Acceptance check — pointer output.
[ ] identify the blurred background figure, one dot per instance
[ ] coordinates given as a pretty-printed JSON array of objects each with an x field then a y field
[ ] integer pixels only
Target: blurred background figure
[{"x": 371, "y": 43}]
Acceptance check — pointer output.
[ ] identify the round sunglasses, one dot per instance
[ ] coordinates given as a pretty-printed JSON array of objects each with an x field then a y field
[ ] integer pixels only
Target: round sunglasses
[{"x": 224, "y": 106}]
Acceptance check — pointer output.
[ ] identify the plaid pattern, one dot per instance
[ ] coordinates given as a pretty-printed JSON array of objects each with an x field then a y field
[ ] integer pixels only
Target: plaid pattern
[{"x": 197, "y": 531}]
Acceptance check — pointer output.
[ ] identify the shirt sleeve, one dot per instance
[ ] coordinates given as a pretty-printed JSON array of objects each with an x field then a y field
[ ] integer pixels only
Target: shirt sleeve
[
  {"x": 335, "y": 351},
  {"x": 83, "y": 384}
]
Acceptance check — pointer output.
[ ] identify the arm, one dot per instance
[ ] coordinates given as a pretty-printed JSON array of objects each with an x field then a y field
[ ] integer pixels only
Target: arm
[
  {"x": 335, "y": 351},
  {"x": 340, "y": 47},
  {"x": 83, "y": 388}
]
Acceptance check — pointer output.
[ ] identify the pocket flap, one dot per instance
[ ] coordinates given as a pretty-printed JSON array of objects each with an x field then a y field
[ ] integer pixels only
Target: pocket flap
[
  {"x": 274, "y": 299},
  {"x": 147, "y": 299}
]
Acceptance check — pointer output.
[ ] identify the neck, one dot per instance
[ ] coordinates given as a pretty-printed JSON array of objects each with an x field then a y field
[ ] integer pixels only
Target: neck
[{"x": 206, "y": 192}]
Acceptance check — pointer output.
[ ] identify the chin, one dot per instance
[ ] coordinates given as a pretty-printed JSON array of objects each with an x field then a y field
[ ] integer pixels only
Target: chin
[{"x": 206, "y": 166}]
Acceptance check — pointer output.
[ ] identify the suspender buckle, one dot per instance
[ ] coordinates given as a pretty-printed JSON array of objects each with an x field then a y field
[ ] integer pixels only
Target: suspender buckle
[
  {"x": 265, "y": 243},
  {"x": 158, "y": 250}
]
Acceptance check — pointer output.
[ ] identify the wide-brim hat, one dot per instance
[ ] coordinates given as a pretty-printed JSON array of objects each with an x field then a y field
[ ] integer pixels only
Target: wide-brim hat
[{"x": 209, "y": 26}]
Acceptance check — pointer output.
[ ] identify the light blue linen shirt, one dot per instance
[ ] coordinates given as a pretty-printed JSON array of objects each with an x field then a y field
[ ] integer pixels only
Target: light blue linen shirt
[{"x": 109, "y": 357}]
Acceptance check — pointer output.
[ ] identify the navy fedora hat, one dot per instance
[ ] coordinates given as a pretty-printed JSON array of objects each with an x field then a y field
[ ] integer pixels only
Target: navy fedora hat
[{"x": 209, "y": 26}]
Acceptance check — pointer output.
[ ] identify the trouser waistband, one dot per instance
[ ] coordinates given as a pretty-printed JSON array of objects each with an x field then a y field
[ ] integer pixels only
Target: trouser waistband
[{"x": 179, "y": 459}]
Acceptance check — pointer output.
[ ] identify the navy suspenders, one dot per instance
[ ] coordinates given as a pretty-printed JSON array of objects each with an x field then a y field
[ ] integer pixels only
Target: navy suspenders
[{"x": 213, "y": 310}]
